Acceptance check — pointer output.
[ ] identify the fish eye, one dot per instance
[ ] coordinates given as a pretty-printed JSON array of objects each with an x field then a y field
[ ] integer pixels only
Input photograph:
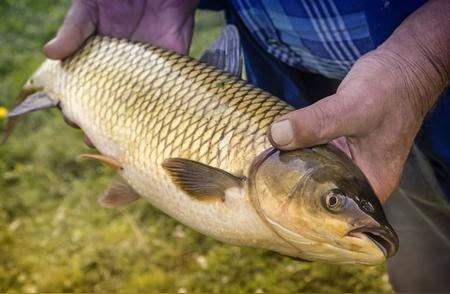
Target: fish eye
[{"x": 334, "y": 200}]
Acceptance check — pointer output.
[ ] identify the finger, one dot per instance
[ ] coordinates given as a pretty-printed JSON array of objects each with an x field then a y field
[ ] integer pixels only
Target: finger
[
  {"x": 170, "y": 28},
  {"x": 319, "y": 123},
  {"x": 78, "y": 25}
]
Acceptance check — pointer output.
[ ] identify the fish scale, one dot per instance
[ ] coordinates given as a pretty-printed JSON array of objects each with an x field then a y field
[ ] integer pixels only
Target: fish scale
[{"x": 141, "y": 105}]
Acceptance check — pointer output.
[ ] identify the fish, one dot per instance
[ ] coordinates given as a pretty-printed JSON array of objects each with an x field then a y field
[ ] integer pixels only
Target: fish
[{"x": 190, "y": 137}]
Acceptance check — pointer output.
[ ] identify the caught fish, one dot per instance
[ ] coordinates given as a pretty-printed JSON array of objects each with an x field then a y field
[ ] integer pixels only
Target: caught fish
[{"x": 189, "y": 137}]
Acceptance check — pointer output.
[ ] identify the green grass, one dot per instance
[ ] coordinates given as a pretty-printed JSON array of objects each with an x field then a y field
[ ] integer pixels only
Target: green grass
[{"x": 55, "y": 238}]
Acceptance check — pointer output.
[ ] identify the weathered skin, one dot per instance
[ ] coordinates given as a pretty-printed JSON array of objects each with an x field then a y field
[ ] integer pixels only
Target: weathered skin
[{"x": 141, "y": 105}]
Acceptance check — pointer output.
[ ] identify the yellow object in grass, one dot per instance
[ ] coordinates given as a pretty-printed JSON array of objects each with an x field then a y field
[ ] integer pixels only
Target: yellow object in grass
[{"x": 3, "y": 112}]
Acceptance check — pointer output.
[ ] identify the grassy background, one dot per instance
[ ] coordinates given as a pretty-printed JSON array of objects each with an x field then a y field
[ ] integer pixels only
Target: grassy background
[{"x": 55, "y": 238}]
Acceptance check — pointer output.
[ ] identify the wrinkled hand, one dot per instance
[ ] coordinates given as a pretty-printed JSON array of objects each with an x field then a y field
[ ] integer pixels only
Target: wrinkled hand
[
  {"x": 380, "y": 105},
  {"x": 369, "y": 115},
  {"x": 166, "y": 23}
]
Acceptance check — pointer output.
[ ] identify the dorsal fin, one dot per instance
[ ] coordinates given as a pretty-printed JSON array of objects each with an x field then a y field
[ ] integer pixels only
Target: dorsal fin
[{"x": 225, "y": 53}]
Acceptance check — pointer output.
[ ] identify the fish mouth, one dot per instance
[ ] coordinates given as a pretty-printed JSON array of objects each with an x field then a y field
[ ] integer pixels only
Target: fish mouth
[{"x": 384, "y": 237}]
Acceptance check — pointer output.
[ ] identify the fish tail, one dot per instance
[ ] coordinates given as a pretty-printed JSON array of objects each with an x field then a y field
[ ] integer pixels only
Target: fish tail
[{"x": 12, "y": 121}]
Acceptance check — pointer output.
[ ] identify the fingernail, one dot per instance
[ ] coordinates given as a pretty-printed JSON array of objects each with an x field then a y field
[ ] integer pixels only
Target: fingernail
[
  {"x": 282, "y": 132},
  {"x": 48, "y": 48}
]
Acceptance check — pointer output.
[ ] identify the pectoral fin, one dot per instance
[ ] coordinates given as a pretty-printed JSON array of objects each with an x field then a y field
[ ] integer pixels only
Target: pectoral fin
[
  {"x": 111, "y": 162},
  {"x": 225, "y": 53},
  {"x": 118, "y": 194},
  {"x": 199, "y": 180}
]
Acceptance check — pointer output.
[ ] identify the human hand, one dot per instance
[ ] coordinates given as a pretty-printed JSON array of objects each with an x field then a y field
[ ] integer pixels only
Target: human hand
[
  {"x": 369, "y": 116},
  {"x": 166, "y": 23},
  {"x": 380, "y": 105}
]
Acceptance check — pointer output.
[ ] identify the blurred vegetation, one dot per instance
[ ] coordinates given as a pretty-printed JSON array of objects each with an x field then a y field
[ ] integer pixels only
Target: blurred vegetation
[{"x": 55, "y": 238}]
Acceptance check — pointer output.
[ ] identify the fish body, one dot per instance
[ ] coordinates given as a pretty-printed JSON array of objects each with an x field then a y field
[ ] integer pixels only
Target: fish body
[
  {"x": 158, "y": 105},
  {"x": 191, "y": 140}
]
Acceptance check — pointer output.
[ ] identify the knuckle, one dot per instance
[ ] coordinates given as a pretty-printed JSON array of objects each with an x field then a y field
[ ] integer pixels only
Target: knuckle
[
  {"x": 323, "y": 119},
  {"x": 82, "y": 14}
]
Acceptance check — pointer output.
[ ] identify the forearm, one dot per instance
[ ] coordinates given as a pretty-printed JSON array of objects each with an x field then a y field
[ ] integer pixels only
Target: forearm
[{"x": 420, "y": 46}]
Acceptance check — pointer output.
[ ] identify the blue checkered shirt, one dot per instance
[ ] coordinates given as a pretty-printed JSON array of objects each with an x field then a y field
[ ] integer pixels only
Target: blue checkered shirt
[{"x": 322, "y": 36}]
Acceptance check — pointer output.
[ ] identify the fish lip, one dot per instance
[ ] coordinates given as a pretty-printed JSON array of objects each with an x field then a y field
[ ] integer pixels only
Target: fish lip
[{"x": 384, "y": 237}]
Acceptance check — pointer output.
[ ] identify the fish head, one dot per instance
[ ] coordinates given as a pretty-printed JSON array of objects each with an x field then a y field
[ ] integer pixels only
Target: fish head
[{"x": 318, "y": 201}]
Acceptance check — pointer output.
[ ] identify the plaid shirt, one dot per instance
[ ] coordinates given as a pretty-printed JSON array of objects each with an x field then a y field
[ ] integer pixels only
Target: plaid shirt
[{"x": 322, "y": 36}]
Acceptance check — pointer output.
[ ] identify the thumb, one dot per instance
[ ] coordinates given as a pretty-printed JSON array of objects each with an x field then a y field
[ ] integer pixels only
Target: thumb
[
  {"x": 79, "y": 24},
  {"x": 316, "y": 124}
]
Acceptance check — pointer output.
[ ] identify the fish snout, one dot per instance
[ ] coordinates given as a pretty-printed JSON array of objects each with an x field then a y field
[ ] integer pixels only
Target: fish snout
[{"x": 383, "y": 236}]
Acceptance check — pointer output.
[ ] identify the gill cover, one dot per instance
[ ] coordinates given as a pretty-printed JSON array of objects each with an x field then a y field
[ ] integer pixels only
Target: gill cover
[{"x": 274, "y": 179}]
